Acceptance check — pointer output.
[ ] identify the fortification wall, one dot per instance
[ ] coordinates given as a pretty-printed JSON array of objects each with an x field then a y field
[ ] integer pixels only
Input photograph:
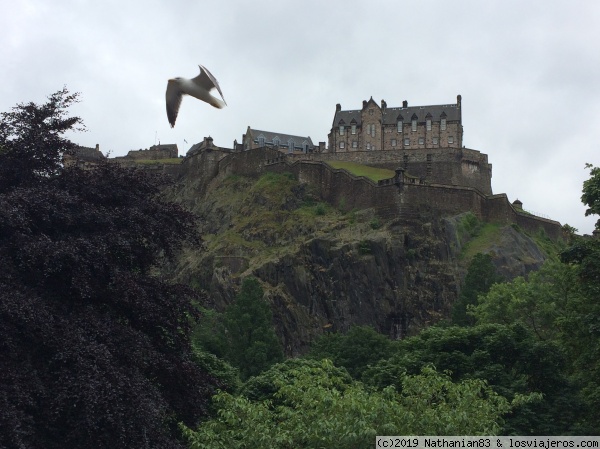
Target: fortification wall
[
  {"x": 448, "y": 166},
  {"x": 399, "y": 197}
]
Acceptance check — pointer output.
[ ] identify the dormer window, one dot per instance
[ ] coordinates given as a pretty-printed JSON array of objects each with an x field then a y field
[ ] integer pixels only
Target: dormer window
[
  {"x": 261, "y": 141},
  {"x": 291, "y": 146},
  {"x": 443, "y": 122},
  {"x": 399, "y": 126},
  {"x": 428, "y": 124},
  {"x": 414, "y": 122},
  {"x": 341, "y": 130},
  {"x": 353, "y": 129},
  {"x": 276, "y": 142}
]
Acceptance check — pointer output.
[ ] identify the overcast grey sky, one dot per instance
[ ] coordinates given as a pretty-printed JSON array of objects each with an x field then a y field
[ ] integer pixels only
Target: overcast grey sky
[{"x": 528, "y": 73}]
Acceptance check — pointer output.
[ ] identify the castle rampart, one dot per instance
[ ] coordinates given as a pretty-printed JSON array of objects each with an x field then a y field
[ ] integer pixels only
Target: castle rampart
[
  {"x": 403, "y": 197},
  {"x": 448, "y": 166}
]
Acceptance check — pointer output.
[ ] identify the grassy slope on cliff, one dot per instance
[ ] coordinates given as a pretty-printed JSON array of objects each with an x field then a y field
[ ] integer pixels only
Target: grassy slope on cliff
[
  {"x": 261, "y": 220},
  {"x": 356, "y": 169}
]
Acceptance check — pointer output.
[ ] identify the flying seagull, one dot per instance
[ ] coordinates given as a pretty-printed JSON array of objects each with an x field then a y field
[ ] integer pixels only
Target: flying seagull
[{"x": 198, "y": 87}]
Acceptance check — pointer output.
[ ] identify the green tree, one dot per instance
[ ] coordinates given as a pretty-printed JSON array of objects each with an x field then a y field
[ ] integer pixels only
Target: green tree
[
  {"x": 354, "y": 350},
  {"x": 508, "y": 358},
  {"x": 481, "y": 275},
  {"x": 252, "y": 343},
  {"x": 313, "y": 406},
  {"x": 591, "y": 193},
  {"x": 537, "y": 302},
  {"x": 94, "y": 349}
]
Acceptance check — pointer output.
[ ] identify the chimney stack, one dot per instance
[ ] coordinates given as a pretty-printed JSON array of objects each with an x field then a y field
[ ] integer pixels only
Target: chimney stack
[
  {"x": 405, "y": 104},
  {"x": 338, "y": 107}
]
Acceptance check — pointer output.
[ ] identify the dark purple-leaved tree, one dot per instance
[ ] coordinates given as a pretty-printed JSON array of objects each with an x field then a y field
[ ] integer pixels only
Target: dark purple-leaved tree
[{"x": 94, "y": 348}]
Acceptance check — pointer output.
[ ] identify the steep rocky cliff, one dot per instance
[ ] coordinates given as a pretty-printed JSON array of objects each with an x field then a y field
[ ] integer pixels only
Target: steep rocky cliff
[{"x": 325, "y": 270}]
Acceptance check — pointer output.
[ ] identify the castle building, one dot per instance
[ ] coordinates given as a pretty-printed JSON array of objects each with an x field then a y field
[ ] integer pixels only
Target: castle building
[
  {"x": 255, "y": 138},
  {"x": 376, "y": 127}
]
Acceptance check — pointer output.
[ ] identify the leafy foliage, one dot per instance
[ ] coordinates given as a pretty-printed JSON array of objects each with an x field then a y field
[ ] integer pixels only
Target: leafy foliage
[
  {"x": 314, "y": 405},
  {"x": 481, "y": 275},
  {"x": 243, "y": 335},
  {"x": 31, "y": 139},
  {"x": 507, "y": 358},
  {"x": 591, "y": 193},
  {"x": 354, "y": 350},
  {"x": 94, "y": 349}
]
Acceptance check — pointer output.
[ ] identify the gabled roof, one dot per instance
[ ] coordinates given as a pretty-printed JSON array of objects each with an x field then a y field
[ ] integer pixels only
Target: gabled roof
[
  {"x": 390, "y": 115},
  {"x": 452, "y": 112},
  {"x": 283, "y": 138}
]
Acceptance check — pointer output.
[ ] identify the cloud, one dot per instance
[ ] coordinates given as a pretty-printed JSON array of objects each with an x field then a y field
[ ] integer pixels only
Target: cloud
[{"x": 527, "y": 73}]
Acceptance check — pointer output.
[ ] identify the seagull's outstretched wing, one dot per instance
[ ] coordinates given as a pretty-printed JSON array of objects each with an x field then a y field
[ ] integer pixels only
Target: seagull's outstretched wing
[
  {"x": 208, "y": 81},
  {"x": 173, "y": 96}
]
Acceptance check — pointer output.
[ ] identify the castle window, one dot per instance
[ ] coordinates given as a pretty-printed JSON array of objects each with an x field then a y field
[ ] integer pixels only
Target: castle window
[
  {"x": 450, "y": 139},
  {"x": 421, "y": 141},
  {"x": 393, "y": 142},
  {"x": 368, "y": 146},
  {"x": 414, "y": 124},
  {"x": 443, "y": 124},
  {"x": 354, "y": 144},
  {"x": 371, "y": 130},
  {"x": 353, "y": 129},
  {"x": 399, "y": 126},
  {"x": 406, "y": 142},
  {"x": 428, "y": 124},
  {"x": 435, "y": 140},
  {"x": 341, "y": 130},
  {"x": 342, "y": 145}
]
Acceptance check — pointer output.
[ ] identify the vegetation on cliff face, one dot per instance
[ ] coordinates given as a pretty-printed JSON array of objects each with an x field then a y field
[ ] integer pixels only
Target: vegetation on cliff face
[{"x": 323, "y": 268}]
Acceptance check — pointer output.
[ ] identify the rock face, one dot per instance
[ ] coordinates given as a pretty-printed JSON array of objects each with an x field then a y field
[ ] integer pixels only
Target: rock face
[{"x": 324, "y": 270}]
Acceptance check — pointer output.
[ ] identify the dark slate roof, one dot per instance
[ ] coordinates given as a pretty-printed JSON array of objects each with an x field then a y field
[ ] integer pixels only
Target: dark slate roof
[
  {"x": 88, "y": 154},
  {"x": 390, "y": 115},
  {"x": 283, "y": 138}
]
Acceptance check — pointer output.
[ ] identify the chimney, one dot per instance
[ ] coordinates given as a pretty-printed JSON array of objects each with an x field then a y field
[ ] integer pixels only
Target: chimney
[
  {"x": 364, "y": 104},
  {"x": 338, "y": 107},
  {"x": 458, "y": 100},
  {"x": 383, "y": 104},
  {"x": 405, "y": 104}
]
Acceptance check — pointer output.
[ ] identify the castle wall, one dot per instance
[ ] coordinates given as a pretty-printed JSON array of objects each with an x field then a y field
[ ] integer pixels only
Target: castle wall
[
  {"x": 401, "y": 197},
  {"x": 449, "y": 166}
]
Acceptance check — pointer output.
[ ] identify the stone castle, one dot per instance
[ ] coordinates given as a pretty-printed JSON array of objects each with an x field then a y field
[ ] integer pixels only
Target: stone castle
[{"x": 423, "y": 145}]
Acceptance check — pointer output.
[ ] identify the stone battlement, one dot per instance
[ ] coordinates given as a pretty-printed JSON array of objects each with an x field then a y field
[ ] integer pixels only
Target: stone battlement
[{"x": 403, "y": 196}]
